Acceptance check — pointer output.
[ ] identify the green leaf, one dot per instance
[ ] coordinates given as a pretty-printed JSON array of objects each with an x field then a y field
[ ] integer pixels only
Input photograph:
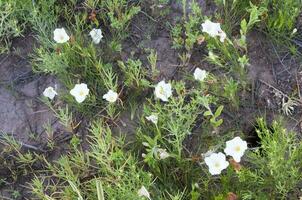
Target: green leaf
[
  {"x": 195, "y": 195},
  {"x": 207, "y": 113},
  {"x": 218, "y": 123},
  {"x": 243, "y": 26},
  {"x": 218, "y": 111},
  {"x": 100, "y": 191},
  {"x": 75, "y": 189}
]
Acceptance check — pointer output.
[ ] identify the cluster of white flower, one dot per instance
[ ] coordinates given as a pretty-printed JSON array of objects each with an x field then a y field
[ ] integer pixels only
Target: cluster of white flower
[
  {"x": 213, "y": 29},
  {"x": 80, "y": 93},
  {"x": 217, "y": 161},
  {"x": 163, "y": 91},
  {"x": 60, "y": 35}
]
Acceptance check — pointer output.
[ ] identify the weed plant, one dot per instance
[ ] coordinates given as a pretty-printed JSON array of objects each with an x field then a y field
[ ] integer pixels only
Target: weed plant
[{"x": 179, "y": 126}]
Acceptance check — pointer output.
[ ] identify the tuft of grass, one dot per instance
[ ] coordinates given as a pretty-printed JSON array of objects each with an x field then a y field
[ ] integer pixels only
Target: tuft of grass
[
  {"x": 11, "y": 22},
  {"x": 105, "y": 171},
  {"x": 275, "y": 167}
]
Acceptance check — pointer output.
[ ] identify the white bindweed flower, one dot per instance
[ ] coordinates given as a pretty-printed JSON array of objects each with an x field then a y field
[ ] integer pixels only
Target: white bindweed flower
[
  {"x": 143, "y": 192},
  {"x": 60, "y": 35},
  {"x": 162, "y": 153},
  {"x": 110, "y": 96},
  {"x": 50, "y": 93},
  {"x": 236, "y": 148},
  {"x": 96, "y": 35},
  {"x": 222, "y": 36},
  {"x": 213, "y": 29},
  {"x": 163, "y": 91},
  {"x": 216, "y": 163},
  {"x": 200, "y": 74},
  {"x": 152, "y": 118},
  {"x": 294, "y": 31},
  {"x": 80, "y": 92}
]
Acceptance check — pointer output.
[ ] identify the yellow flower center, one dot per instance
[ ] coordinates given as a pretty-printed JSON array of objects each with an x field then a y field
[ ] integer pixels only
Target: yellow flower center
[
  {"x": 81, "y": 93},
  {"x": 237, "y": 148},
  {"x": 217, "y": 165},
  {"x": 161, "y": 91}
]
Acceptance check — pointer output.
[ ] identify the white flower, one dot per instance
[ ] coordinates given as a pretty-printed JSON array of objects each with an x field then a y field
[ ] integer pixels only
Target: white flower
[
  {"x": 80, "y": 92},
  {"x": 235, "y": 148},
  {"x": 222, "y": 36},
  {"x": 110, "y": 96},
  {"x": 152, "y": 118},
  {"x": 199, "y": 74},
  {"x": 213, "y": 29},
  {"x": 162, "y": 153},
  {"x": 216, "y": 163},
  {"x": 96, "y": 35},
  {"x": 163, "y": 90},
  {"x": 60, "y": 35},
  {"x": 294, "y": 31},
  {"x": 50, "y": 93},
  {"x": 143, "y": 192}
]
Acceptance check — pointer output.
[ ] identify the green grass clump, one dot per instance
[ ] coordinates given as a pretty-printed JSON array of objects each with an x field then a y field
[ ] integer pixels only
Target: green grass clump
[
  {"x": 278, "y": 18},
  {"x": 275, "y": 166},
  {"x": 105, "y": 171},
  {"x": 17, "y": 17},
  {"x": 186, "y": 33},
  {"x": 271, "y": 171},
  {"x": 82, "y": 61},
  {"x": 282, "y": 16},
  {"x": 11, "y": 21},
  {"x": 173, "y": 136}
]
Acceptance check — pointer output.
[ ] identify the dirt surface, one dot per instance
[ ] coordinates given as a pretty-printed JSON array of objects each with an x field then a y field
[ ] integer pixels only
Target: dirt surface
[
  {"x": 274, "y": 76},
  {"x": 22, "y": 113}
]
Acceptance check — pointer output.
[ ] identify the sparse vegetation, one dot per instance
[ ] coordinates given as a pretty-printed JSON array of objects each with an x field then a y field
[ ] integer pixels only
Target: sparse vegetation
[{"x": 188, "y": 140}]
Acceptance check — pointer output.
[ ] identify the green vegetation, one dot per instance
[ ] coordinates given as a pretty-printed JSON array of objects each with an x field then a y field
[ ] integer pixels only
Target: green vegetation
[{"x": 179, "y": 121}]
